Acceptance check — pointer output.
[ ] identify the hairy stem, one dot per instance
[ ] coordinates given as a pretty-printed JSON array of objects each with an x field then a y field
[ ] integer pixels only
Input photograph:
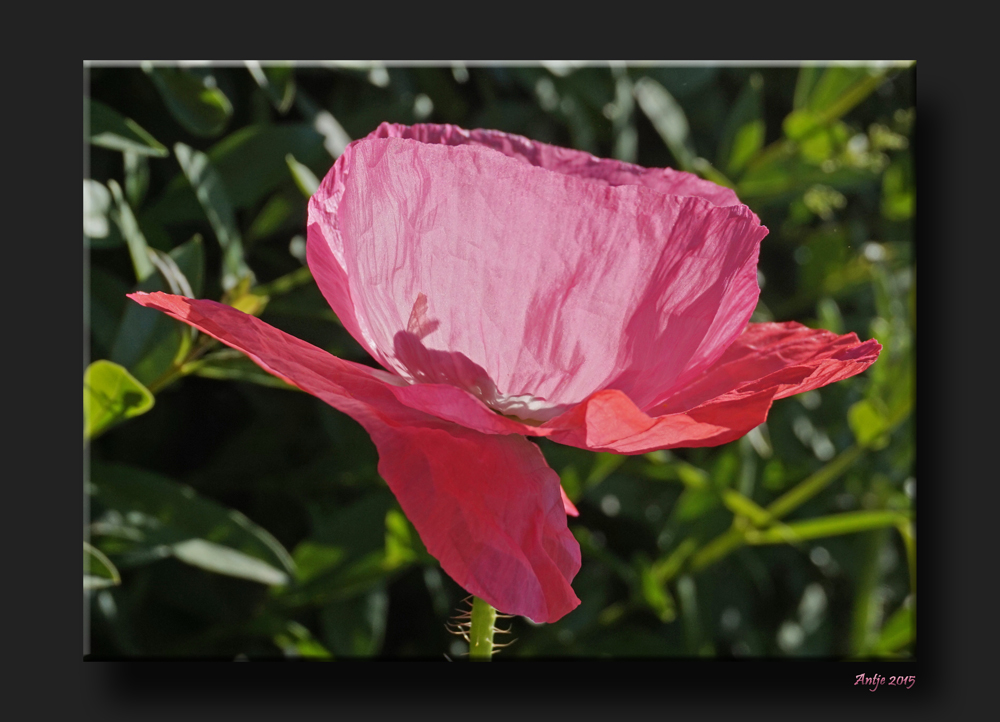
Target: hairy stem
[{"x": 481, "y": 632}]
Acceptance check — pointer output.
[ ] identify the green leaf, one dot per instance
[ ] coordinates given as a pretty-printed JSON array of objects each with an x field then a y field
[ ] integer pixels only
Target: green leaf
[
  {"x": 743, "y": 133},
  {"x": 313, "y": 559},
  {"x": 250, "y": 163},
  {"x": 804, "y": 84},
  {"x": 899, "y": 199},
  {"x": 604, "y": 465},
  {"x": 655, "y": 594},
  {"x": 136, "y": 177},
  {"x": 899, "y": 631},
  {"x": 137, "y": 247},
  {"x": 211, "y": 193},
  {"x": 355, "y": 627},
  {"x": 98, "y": 571},
  {"x": 749, "y": 139},
  {"x": 344, "y": 569},
  {"x": 220, "y": 559},
  {"x": 281, "y": 212},
  {"x": 668, "y": 119},
  {"x": 190, "y": 260},
  {"x": 98, "y": 230},
  {"x": 230, "y": 365},
  {"x": 829, "y": 316},
  {"x": 297, "y": 641},
  {"x": 780, "y": 178},
  {"x": 693, "y": 503},
  {"x": 277, "y": 82},
  {"x": 110, "y": 130},
  {"x": 149, "y": 342},
  {"x": 149, "y": 517},
  {"x": 869, "y": 424},
  {"x": 110, "y": 395},
  {"x": 834, "y": 93},
  {"x": 305, "y": 179},
  {"x": 199, "y": 106}
]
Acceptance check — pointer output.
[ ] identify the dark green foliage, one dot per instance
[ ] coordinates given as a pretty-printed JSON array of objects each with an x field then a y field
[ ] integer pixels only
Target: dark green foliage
[{"x": 238, "y": 516}]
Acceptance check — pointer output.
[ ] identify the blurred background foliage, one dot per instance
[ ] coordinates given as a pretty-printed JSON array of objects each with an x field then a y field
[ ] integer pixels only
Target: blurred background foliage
[{"x": 229, "y": 514}]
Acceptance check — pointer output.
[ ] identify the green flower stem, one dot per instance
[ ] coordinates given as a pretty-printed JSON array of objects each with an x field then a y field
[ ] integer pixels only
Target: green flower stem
[{"x": 481, "y": 632}]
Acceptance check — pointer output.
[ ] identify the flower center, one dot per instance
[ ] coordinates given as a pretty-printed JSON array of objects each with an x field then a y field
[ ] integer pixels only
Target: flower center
[{"x": 526, "y": 407}]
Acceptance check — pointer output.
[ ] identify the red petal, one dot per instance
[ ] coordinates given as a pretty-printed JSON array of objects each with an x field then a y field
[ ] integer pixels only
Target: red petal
[
  {"x": 568, "y": 504},
  {"x": 486, "y": 506},
  {"x": 609, "y": 421},
  {"x": 788, "y": 357},
  {"x": 768, "y": 361}
]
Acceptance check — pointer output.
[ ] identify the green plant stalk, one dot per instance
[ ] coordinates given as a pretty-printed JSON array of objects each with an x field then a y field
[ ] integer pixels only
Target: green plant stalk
[
  {"x": 814, "y": 484},
  {"x": 481, "y": 631},
  {"x": 735, "y": 537},
  {"x": 865, "y": 615}
]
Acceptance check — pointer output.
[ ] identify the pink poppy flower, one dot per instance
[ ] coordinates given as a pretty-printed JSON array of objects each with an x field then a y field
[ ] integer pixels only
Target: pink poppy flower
[{"x": 509, "y": 289}]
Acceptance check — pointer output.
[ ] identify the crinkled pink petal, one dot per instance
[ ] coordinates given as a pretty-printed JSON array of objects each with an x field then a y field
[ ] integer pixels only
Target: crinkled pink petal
[
  {"x": 769, "y": 361},
  {"x": 789, "y": 357},
  {"x": 527, "y": 275},
  {"x": 566, "y": 160},
  {"x": 486, "y": 506}
]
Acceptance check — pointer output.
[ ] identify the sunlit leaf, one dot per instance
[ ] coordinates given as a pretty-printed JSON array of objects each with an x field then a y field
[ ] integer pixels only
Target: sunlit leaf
[
  {"x": 190, "y": 260},
  {"x": 149, "y": 517},
  {"x": 110, "y": 395},
  {"x": 297, "y": 641},
  {"x": 667, "y": 117},
  {"x": 196, "y": 103},
  {"x": 898, "y": 193},
  {"x": 743, "y": 133},
  {"x": 136, "y": 177},
  {"x": 211, "y": 193},
  {"x": 250, "y": 163},
  {"x": 334, "y": 576},
  {"x": 899, "y": 631},
  {"x": 305, "y": 179},
  {"x": 833, "y": 94},
  {"x": 241, "y": 297},
  {"x": 148, "y": 342},
  {"x": 313, "y": 559},
  {"x": 804, "y": 84},
  {"x": 869, "y": 424},
  {"x": 221, "y": 559},
  {"x": 98, "y": 230},
  {"x": 693, "y": 503},
  {"x": 137, "y": 247},
  {"x": 110, "y": 130},
  {"x": 277, "y": 81}
]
